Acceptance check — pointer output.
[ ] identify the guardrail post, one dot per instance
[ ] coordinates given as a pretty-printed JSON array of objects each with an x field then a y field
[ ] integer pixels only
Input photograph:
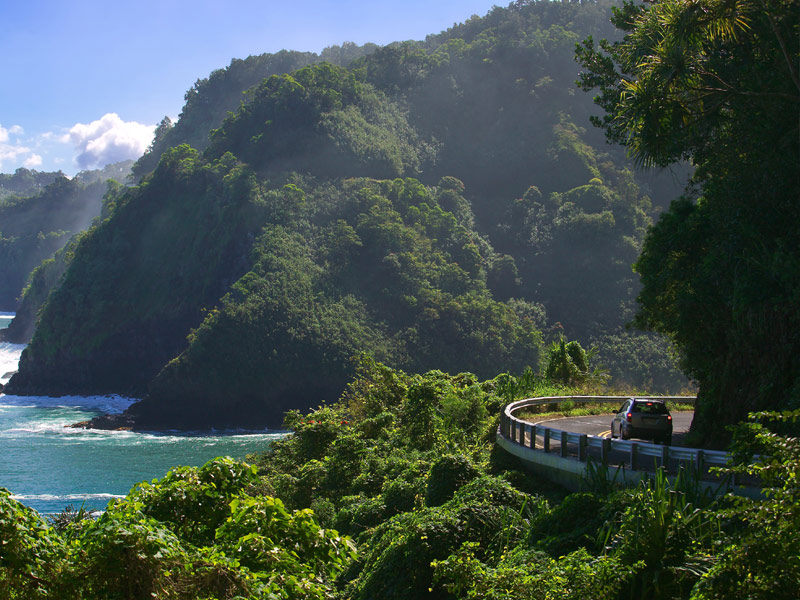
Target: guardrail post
[
  {"x": 546, "y": 445},
  {"x": 521, "y": 430},
  {"x": 532, "y": 445},
  {"x": 699, "y": 462},
  {"x": 634, "y": 456},
  {"x": 512, "y": 434},
  {"x": 582, "y": 448},
  {"x": 605, "y": 449},
  {"x": 563, "y": 444},
  {"x": 665, "y": 458}
]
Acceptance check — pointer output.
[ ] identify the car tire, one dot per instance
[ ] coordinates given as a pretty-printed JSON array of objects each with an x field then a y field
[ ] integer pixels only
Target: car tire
[
  {"x": 612, "y": 431},
  {"x": 622, "y": 433},
  {"x": 668, "y": 440}
]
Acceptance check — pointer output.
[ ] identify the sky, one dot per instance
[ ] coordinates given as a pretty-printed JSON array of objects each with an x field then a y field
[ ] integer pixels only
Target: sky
[{"x": 83, "y": 83}]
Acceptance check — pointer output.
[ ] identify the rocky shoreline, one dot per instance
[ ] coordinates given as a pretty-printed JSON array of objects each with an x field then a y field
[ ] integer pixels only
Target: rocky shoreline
[{"x": 116, "y": 422}]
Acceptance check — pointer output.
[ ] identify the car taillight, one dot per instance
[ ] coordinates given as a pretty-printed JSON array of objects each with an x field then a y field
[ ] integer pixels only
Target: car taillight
[
  {"x": 629, "y": 417},
  {"x": 669, "y": 417}
]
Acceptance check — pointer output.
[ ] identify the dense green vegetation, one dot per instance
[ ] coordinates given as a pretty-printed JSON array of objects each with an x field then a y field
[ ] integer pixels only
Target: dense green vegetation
[
  {"x": 129, "y": 296},
  {"x": 197, "y": 533},
  {"x": 434, "y": 204},
  {"x": 39, "y": 213},
  {"x": 371, "y": 266},
  {"x": 210, "y": 99},
  {"x": 25, "y": 182},
  {"x": 343, "y": 211},
  {"x": 398, "y": 492},
  {"x": 716, "y": 83},
  {"x": 376, "y": 267},
  {"x": 32, "y": 229}
]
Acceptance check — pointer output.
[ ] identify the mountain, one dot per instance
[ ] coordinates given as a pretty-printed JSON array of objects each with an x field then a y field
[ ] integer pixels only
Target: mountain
[
  {"x": 210, "y": 99},
  {"x": 433, "y": 204}
]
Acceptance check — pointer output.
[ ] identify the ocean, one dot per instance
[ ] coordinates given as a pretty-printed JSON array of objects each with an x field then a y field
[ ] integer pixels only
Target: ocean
[{"x": 49, "y": 466}]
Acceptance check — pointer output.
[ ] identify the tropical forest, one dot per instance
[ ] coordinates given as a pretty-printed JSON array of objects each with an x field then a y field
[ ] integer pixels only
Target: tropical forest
[{"x": 374, "y": 250}]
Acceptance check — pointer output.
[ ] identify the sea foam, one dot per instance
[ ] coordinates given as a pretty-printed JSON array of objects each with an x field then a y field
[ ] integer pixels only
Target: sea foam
[{"x": 9, "y": 359}]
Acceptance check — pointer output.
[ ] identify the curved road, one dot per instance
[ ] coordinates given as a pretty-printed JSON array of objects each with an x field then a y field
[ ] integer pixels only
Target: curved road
[{"x": 600, "y": 425}]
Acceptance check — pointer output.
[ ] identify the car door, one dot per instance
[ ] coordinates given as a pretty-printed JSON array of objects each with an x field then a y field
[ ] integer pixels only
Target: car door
[{"x": 618, "y": 419}]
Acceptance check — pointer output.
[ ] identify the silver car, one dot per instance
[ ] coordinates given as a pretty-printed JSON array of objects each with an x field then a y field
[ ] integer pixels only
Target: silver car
[{"x": 642, "y": 418}]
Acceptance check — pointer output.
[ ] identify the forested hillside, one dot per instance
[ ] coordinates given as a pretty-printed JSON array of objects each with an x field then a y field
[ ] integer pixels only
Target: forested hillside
[
  {"x": 435, "y": 204},
  {"x": 210, "y": 99},
  {"x": 328, "y": 217},
  {"x": 25, "y": 182},
  {"x": 39, "y": 213}
]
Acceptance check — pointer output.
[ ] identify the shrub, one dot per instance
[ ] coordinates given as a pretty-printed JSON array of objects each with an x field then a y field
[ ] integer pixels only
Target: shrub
[
  {"x": 30, "y": 551},
  {"x": 448, "y": 474}
]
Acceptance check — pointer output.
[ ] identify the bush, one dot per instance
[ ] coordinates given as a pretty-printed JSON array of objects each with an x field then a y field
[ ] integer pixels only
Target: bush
[
  {"x": 399, "y": 496},
  {"x": 193, "y": 502},
  {"x": 30, "y": 551},
  {"x": 358, "y": 514},
  {"x": 567, "y": 363},
  {"x": 570, "y": 525},
  {"x": 448, "y": 474}
]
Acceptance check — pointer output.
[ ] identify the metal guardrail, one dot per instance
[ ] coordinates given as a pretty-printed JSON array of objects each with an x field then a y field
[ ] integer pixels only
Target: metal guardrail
[{"x": 528, "y": 434}]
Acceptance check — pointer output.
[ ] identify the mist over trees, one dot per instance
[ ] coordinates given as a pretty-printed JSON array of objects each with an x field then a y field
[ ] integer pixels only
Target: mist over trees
[
  {"x": 39, "y": 213},
  {"x": 25, "y": 182}
]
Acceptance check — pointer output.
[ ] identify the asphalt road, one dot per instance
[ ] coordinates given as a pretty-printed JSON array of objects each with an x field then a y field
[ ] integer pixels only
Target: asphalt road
[{"x": 600, "y": 425}]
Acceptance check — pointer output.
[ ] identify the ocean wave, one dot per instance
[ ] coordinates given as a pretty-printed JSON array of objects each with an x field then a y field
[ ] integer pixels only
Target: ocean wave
[
  {"x": 111, "y": 404},
  {"x": 11, "y": 349},
  {"x": 216, "y": 433},
  {"x": 9, "y": 358},
  {"x": 65, "y": 497}
]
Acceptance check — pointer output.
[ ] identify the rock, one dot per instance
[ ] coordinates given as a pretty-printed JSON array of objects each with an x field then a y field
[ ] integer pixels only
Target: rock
[{"x": 121, "y": 422}]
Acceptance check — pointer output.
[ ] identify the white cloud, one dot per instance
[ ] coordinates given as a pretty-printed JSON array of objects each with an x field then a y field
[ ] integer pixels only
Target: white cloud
[
  {"x": 11, "y": 151},
  {"x": 108, "y": 140},
  {"x": 34, "y": 160},
  {"x": 14, "y": 130}
]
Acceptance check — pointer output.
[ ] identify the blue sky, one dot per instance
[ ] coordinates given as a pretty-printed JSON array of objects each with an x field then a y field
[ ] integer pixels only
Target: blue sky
[{"x": 85, "y": 82}]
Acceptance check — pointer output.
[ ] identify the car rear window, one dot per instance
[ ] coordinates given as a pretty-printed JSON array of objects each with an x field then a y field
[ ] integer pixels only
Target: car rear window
[{"x": 654, "y": 408}]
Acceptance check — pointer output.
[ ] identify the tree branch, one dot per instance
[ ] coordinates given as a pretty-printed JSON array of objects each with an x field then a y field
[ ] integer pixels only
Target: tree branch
[{"x": 786, "y": 56}]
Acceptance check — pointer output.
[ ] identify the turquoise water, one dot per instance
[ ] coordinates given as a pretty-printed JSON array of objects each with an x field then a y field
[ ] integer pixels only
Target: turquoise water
[{"x": 49, "y": 466}]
